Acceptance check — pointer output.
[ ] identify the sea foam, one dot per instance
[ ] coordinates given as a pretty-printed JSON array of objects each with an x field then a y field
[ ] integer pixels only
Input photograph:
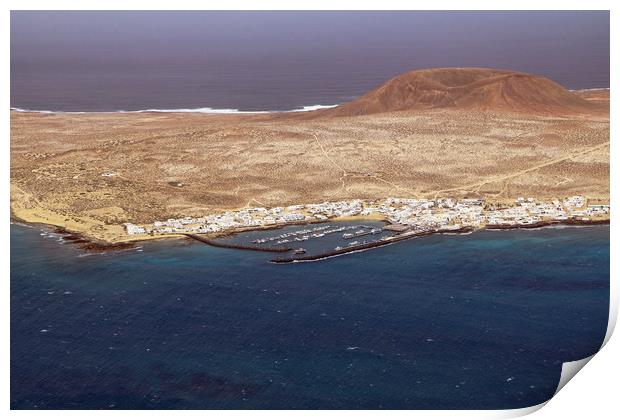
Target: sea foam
[{"x": 204, "y": 110}]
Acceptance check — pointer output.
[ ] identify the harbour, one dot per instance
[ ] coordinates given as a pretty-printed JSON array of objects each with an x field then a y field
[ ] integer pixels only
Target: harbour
[
  {"x": 214, "y": 243},
  {"x": 327, "y": 240},
  {"x": 364, "y": 246}
]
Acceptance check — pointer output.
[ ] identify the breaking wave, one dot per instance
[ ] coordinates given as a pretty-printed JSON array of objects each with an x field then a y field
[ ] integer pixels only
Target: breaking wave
[
  {"x": 205, "y": 110},
  {"x": 587, "y": 90}
]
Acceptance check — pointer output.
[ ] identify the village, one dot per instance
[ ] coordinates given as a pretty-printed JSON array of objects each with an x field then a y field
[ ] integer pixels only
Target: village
[{"x": 403, "y": 214}]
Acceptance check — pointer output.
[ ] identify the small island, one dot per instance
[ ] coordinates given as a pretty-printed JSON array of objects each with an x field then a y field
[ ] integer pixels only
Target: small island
[
  {"x": 460, "y": 144},
  {"x": 285, "y": 210}
]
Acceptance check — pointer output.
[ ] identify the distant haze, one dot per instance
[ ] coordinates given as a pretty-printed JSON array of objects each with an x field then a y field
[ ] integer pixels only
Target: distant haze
[{"x": 107, "y": 61}]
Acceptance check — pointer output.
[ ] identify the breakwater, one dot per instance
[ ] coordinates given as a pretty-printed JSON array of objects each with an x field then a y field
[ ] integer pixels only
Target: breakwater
[
  {"x": 237, "y": 246},
  {"x": 365, "y": 246}
]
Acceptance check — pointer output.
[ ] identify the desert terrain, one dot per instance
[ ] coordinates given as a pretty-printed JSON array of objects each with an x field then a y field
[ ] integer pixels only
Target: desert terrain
[{"x": 446, "y": 133}]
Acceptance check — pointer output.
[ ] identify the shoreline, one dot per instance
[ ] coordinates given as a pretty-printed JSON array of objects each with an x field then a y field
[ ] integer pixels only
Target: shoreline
[
  {"x": 221, "y": 111},
  {"x": 199, "y": 110},
  {"x": 94, "y": 235},
  {"x": 89, "y": 244},
  {"x": 103, "y": 245},
  {"x": 404, "y": 237},
  {"x": 542, "y": 224},
  {"x": 114, "y": 236}
]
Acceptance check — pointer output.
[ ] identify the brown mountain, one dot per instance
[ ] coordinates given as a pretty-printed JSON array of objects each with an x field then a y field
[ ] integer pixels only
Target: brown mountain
[{"x": 481, "y": 89}]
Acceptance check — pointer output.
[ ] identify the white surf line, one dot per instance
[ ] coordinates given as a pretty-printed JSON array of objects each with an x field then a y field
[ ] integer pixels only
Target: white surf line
[
  {"x": 202, "y": 110},
  {"x": 587, "y": 90}
]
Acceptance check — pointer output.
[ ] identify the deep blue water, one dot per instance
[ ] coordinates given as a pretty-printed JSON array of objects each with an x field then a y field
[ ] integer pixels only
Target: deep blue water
[
  {"x": 478, "y": 321},
  {"x": 281, "y": 60}
]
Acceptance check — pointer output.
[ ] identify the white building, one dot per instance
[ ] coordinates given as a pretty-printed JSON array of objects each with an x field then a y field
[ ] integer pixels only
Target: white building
[{"x": 134, "y": 229}]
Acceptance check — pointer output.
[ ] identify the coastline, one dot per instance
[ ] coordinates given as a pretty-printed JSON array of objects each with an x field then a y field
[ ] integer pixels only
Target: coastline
[
  {"x": 95, "y": 235},
  {"x": 135, "y": 240},
  {"x": 200, "y": 110},
  {"x": 220, "y": 111},
  {"x": 404, "y": 237},
  {"x": 92, "y": 244},
  {"x": 86, "y": 242},
  {"x": 26, "y": 209}
]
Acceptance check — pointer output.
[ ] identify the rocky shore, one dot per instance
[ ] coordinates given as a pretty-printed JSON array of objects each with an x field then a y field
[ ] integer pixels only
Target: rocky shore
[{"x": 91, "y": 245}]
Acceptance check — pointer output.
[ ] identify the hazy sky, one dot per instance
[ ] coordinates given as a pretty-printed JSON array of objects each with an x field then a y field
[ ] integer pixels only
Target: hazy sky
[{"x": 306, "y": 49}]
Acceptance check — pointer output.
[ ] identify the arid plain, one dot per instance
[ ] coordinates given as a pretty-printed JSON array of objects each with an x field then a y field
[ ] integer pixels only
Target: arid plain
[{"x": 92, "y": 172}]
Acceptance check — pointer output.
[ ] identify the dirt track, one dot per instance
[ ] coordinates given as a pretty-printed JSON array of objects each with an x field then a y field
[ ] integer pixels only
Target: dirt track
[{"x": 93, "y": 172}]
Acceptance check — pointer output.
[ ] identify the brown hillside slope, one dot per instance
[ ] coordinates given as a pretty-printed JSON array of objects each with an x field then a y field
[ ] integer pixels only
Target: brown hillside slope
[
  {"x": 479, "y": 89},
  {"x": 597, "y": 96}
]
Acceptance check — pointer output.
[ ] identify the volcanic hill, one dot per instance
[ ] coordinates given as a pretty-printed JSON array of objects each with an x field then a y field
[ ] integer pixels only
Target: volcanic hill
[{"x": 480, "y": 89}]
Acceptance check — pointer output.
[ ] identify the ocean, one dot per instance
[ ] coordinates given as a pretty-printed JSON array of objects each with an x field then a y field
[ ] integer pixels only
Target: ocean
[
  {"x": 280, "y": 61},
  {"x": 479, "y": 321}
]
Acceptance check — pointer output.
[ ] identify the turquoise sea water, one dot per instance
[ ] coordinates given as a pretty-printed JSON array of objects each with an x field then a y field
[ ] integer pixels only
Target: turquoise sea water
[{"x": 482, "y": 321}]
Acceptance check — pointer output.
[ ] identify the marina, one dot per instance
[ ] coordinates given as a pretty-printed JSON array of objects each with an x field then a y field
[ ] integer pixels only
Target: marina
[
  {"x": 304, "y": 241},
  {"x": 235, "y": 246},
  {"x": 316, "y": 232},
  {"x": 356, "y": 246},
  {"x": 321, "y": 242}
]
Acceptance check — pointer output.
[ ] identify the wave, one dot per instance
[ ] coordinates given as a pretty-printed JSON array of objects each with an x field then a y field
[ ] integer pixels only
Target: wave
[
  {"x": 43, "y": 111},
  {"x": 588, "y": 89},
  {"x": 312, "y": 108},
  {"x": 204, "y": 110}
]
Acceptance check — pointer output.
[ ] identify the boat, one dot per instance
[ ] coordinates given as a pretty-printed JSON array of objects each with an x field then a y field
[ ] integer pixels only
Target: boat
[{"x": 299, "y": 251}]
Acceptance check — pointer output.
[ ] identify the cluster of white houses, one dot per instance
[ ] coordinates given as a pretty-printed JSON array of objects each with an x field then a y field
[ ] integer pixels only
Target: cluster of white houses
[{"x": 417, "y": 214}]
